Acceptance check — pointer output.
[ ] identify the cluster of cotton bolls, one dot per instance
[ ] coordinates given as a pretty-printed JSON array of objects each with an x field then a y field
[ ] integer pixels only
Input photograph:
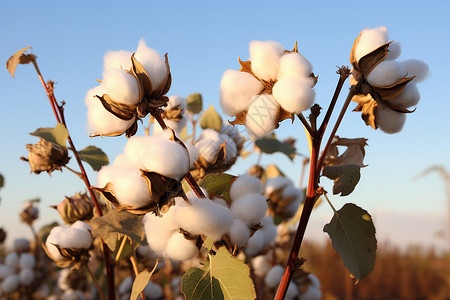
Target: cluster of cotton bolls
[
  {"x": 389, "y": 72},
  {"x": 151, "y": 291},
  {"x": 275, "y": 77},
  {"x": 284, "y": 197},
  {"x": 121, "y": 87},
  {"x": 17, "y": 270},
  {"x": 159, "y": 154},
  {"x": 72, "y": 283},
  {"x": 173, "y": 115},
  {"x": 210, "y": 142}
]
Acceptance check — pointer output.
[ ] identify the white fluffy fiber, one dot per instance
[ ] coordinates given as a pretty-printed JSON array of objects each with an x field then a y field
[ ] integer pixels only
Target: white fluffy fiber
[
  {"x": 77, "y": 236},
  {"x": 292, "y": 291},
  {"x": 394, "y": 50},
  {"x": 117, "y": 60},
  {"x": 409, "y": 97},
  {"x": 177, "y": 126},
  {"x": 26, "y": 261},
  {"x": 236, "y": 91},
  {"x": 265, "y": 58},
  {"x": 261, "y": 265},
  {"x": 294, "y": 65},
  {"x": 125, "y": 286},
  {"x": 269, "y": 229},
  {"x": 255, "y": 243},
  {"x": 250, "y": 208},
  {"x": 5, "y": 271},
  {"x": 417, "y": 68},
  {"x": 371, "y": 39},
  {"x": 120, "y": 86},
  {"x": 179, "y": 248},
  {"x": 262, "y": 115},
  {"x": 275, "y": 183},
  {"x": 294, "y": 94},
  {"x": 245, "y": 184},
  {"x": 153, "y": 64},
  {"x": 158, "y": 230},
  {"x": 273, "y": 276},
  {"x": 26, "y": 277},
  {"x": 12, "y": 260},
  {"x": 209, "y": 142},
  {"x": 386, "y": 72},
  {"x": 389, "y": 120},
  {"x": 10, "y": 284},
  {"x": 239, "y": 232}
]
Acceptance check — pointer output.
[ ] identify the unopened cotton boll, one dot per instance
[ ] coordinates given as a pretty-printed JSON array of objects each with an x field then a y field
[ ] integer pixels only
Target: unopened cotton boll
[
  {"x": 386, "y": 72},
  {"x": 12, "y": 260},
  {"x": 27, "y": 261},
  {"x": 179, "y": 248},
  {"x": 262, "y": 115},
  {"x": 117, "y": 60},
  {"x": 409, "y": 97},
  {"x": 389, "y": 120},
  {"x": 261, "y": 265},
  {"x": 10, "y": 284},
  {"x": 255, "y": 243},
  {"x": 153, "y": 291},
  {"x": 236, "y": 91},
  {"x": 158, "y": 231},
  {"x": 26, "y": 277},
  {"x": 394, "y": 51},
  {"x": 417, "y": 68},
  {"x": 239, "y": 232},
  {"x": 294, "y": 65},
  {"x": 273, "y": 276},
  {"x": 265, "y": 58},
  {"x": 121, "y": 86},
  {"x": 245, "y": 184},
  {"x": 5, "y": 271},
  {"x": 294, "y": 95},
  {"x": 369, "y": 40},
  {"x": 153, "y": 64},
  {"x": 250, "y": 208}
]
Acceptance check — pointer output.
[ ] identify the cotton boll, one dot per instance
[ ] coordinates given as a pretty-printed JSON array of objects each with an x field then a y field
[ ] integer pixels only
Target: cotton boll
[
  {"x": 315, "y": 282},
  {"x": 245, "y": 184},
  {"x": 153, "y": 291},
  {"x": 117, "y": 60},
  {"x": 176, "y": 101},
  {"x": 388, "y": 120},
  {"x": 292, "y": 291},
  {"x": 275, "y": 183},
  {"x": 239, "y": 233},
  {"x": 262, "y": 116},
  {"x": 255, "y": 243},
  {"x": 417, "y": 68},
  {"x": 273, "y": 276},
  {"x": 395, "y": 49},
  {"x": 193, "y": 154},
  {"x": 153, "y": 64},
  {"x": 157, "y": 232},
  {"x": 250, "y": 208},
  {"x": 10, "y": 284},
  {"x": 121, "y": 86},
  {"x": 230, "y": 148},
  {"x": 294, "y": 65},
  {"x": 21, "y": 245},
  {"x": 5, "y": 271},
  {"x": 125, "y": 286},
  {"x": 130, "y": 187},
  {"x": 294, "y": 95},
  {"x": 52, "y": 241},
  {"x": 209, "y": 134},
  {"x": 75, "y": 238},
  {"x": 311, "y": 293},
  {"x": 409, "y": 97},
  {"x": 386, "y": 72},
  {"x": 220, "y": 201},
  {"x": 265, "y": 58},
  {"x": 26, "y": 277},
  {"x": 27, "y": 261},
  {"x": 179, "y": 248},
  {"x": 208, "y": 149},
  {"x": 73, "y": 295},
  {"x": 81, "y": 226},
  {"x": 204, "y": 216},
  {"x": 261, "y": 265},
  {"x": 236, "y": 90},
  {"x": 12, "y": 260},
  {"x": 269, "y": 229},
  {"x": 369, "y": 40}
]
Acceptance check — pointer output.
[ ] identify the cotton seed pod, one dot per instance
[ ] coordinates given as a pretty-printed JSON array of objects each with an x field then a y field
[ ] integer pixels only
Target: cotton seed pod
[
  {"x": 29, "y": 213},
  {"x": 77, "y": 207},
  {"x": 46, "y": 156}
]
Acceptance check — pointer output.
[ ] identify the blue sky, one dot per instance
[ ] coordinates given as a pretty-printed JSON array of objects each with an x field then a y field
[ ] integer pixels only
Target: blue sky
[{"x": 205, "y": 38}]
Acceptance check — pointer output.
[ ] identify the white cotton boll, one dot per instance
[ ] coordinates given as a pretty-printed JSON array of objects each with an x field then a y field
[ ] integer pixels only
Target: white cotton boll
[
  {"x": 125, "y": 286},
  {"x": 208, "y": 149},
  {"x": 294, "y": 65},
  {"x": 262, "y": 115},
  {"x": 245, "y": 184},
  {"x": 52, "y": 241},
  {"x": 220, "y": 201},
  {"x": 62, "y": 279},
  {"x": 261, "y": 265},
  {"x": 250, "y": 208},
  {"x": 153, "y": 291},
  {"x": 209, "y": 134},
  {"x": 236, "y": 91},
  {"x": 409, "y": 97},
  {"x": 157, "y": 232},
  {"x": 10, "y": 284},
  {"x": 75, "y": 238},
  {"x": 311, "y": 293},
  {"x": 269, "y": 229},
  {"x": 117, "y": 60},
  {"x": 255, "y": 243},
  {"x": 21, "y": 245},
  {"x": 230, "y": 148},
  {"x": 417, "y": 68},
  {"x": 121, "y": 86},
  {"x": 176, "y": 101},
  {"x": 292, "y": 191},
  {"x": 294, "y": 95},
  {"x": 81, "y": 226},
  {"x": 193, "y": 154},
  {"x": 232, "y": 132},
  {"x": 386, "y": 72},
  {"x": 130, "y": 187},
  {"x": 179, "y": 248},
  {"x": 12, "y": 260},
  {"x": 273, "y": 276},
  {"x": 388, "y": 120},
  {"x": 275, "y": 183},
  {"x": 239, "y": 232},
  {"x": 371, "y": 39},
  {"x": 265, "y": 58},
  {"x": 27, "y": 261},
  {"x": 5, "y": 271},
  {"x": 395, "y": 49},
  {"x": 26, "y": 277},
  {"x": 204, "y": 216},
  {"x": 153, "y": 64},
  {"x": 292, "y": 291},
  {"x": 315, "y": 282}
]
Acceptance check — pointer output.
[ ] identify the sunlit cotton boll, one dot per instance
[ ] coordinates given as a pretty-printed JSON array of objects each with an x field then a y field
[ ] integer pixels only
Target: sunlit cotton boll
[
  {"x": 12, "y": 260},
  {"x": 370, "y": 40},
  {"x": 239, "y": 232},
  {"x": 294, "y": 65},
  {"x": 255, "y": 243},
  {"x": 179, "y": 248},
  {"x": 261, "y": 265},
  {"x": 261, "y": 115},
  {"x": 236, "y": 91},
  {"x": 389, "y": 120},
  {"x": 265, "y": 58},
  {"x": 409, "y": 97},
  {"x": 52, "y": 240},
  {"x": 245, "y": 184},
  {"x": 117, "y": 60},
  {"x": 76, "y": 237},
  {"x": 120, "y": 86},
  {"x": 269, "y": 229},
  {"x": 386, "y": 72},
  {"x": 417, "y": 68},
  {"x": 26, "y": 277},
  {"x": 250, "y": 208},
  {"x": 273, "y": 276},
  {"x": 27, "y": 261},
  {"x": 294, "y": 95},
  {"x": 153, "y": 64},
  {"x": 206, "y": 217},
  {"x": 10, "y": 284},
  {"x": 158, "y": 230}
]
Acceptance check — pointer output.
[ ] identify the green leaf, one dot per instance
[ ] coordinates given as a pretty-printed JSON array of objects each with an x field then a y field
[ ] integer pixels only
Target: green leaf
[
  {"x": 222, "y": 277},
  {"x": 56, "y": 135},
  {"x": 19, "y": 58},
  {"x": 352, "y": 234},
  {"x": 271, "y": 145},
  {"x": 218, "y": 184},
  {"x": 116, "y": 224},
  {"x": 94, "y": 156},
  {"x": 141, "y": 282},
  {"x": 211, "y": 119},
  {"x": 345, "y": 177},
  {"x": 195, "y": 103}
]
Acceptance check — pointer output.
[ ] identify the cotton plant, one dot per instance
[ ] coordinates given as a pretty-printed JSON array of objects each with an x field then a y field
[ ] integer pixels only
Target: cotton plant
[{"x": 174, "y": 115}]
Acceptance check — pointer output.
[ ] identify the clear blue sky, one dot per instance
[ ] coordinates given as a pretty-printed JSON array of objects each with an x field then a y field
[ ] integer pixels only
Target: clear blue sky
[{"x": 203, "y": 39}]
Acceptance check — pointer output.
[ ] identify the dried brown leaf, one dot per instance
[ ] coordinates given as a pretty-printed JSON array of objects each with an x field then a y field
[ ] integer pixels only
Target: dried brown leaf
[
  {"x": 369, "y": 61},
  {"x": 19, "y": 58},
  {"x": 387, "y": 92},
  {"x": 165, "y": 86},
  {"x": 246, "y": 66},
  {"x": 122, "y": 111},
  {"x": 367, "y": 106},
  {"x": 240, "y": 118}
]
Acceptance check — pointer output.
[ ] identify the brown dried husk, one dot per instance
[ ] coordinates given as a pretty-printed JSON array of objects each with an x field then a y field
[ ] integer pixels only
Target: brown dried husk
[
  {"x": 278, "y": 204},
  {"x": 354, "y": 154},
  {"x": 46, "y": 156}
]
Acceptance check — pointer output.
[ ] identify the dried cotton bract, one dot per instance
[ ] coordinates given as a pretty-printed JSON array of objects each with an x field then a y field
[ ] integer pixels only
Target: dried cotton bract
[
  {"x": 173, "y": 115},
  {"x": 385, "y": 88},
  {"x": 275, "y": 84}
]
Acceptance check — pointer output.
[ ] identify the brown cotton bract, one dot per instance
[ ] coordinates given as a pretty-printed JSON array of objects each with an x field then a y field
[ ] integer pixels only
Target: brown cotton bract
[{"x": 46, "y": 156}]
